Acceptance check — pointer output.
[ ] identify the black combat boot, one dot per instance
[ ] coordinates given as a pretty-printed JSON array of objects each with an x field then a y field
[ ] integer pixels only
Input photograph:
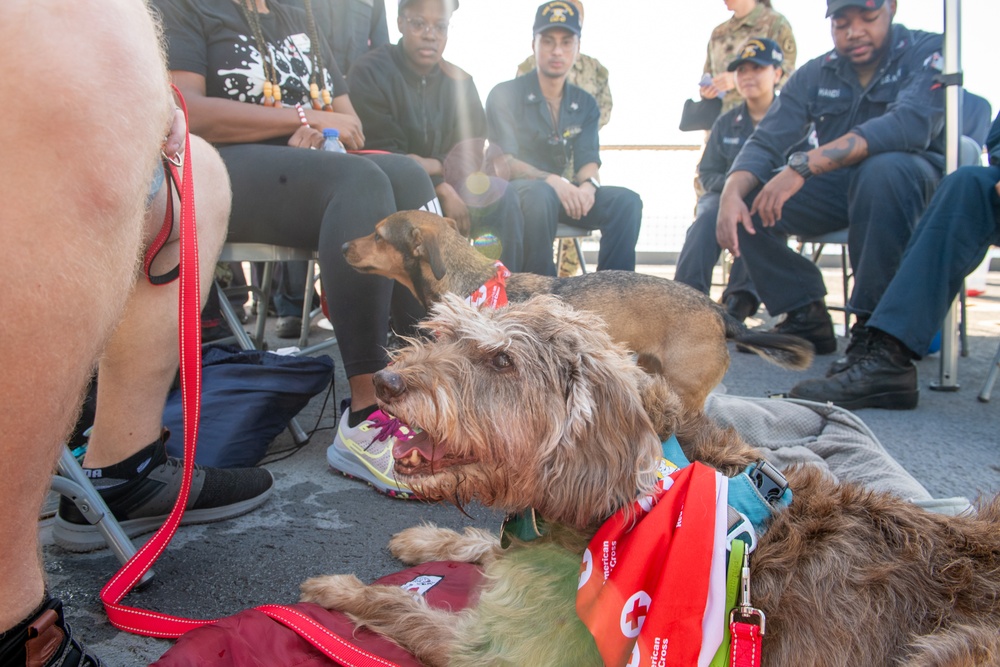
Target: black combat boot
[{"x": 883, "y": 377}]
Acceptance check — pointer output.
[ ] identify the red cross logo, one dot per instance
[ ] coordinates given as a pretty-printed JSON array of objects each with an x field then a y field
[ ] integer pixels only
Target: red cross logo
[
  {"x": 634, "y": 617},
  {"x": 634, "y": 614}
]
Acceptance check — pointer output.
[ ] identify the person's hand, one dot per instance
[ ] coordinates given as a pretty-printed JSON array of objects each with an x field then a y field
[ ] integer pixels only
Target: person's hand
[
  {"x": 454, "y": 207},
  {"x": 733, "y": 212},
  {"x": 349, "y": 126},
  {"x": 724, "y": 82},
  {"x": 772, "y": 197},
  {"x": 570, "y": 196},
  {"x": 588, "y": 194},
  {"x": 709, "y": 92},
  {"x": 307, "y": 137},
  {"x": 173, "y": 143}
]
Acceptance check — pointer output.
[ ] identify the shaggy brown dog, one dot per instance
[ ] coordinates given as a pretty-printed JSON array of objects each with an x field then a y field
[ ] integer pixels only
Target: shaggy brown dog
[
  {"x": 532, "y": 406},
  {"x": 675, "y": 330}
]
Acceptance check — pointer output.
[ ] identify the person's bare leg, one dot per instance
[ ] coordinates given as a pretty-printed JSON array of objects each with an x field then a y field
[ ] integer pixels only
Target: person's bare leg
[
  {"x": 73, "y": 180},
  {"x": 140, "y": 361}
]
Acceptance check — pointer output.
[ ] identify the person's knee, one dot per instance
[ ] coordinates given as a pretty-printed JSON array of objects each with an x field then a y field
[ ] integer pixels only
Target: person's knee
[
  {"x": 887, "y": 173},
  {"x": 213, "y": 194}
]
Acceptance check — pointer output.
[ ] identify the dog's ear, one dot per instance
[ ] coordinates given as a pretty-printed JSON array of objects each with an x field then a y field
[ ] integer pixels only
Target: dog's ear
[
  {"x": 462, "y": 229},
  {"x": 426, "y": 246},
  {"x": 605, "y": 451}
]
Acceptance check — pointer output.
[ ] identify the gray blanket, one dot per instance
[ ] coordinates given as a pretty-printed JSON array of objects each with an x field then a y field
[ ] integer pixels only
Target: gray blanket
[{"x": 791, "y": 431}]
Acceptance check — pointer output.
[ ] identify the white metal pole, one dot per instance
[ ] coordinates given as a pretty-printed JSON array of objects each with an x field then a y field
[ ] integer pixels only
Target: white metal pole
[{"x": 948, "y": 379}]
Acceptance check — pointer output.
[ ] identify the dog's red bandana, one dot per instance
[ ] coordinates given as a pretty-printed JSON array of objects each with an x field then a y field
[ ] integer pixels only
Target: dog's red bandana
[
  {"x": 652, "y": 582},
  {"x": 494, "y": 292}
]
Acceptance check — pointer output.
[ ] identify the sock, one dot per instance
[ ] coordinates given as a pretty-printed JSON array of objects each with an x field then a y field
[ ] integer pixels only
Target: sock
[
  {"x": 131, "y": 468},
  {"x": 355, "y": 418}
]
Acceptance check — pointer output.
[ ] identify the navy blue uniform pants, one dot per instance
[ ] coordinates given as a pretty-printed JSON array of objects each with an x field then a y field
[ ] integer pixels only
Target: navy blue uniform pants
[
  {"x": 951, "y": 240},
  {"x": 617, "y": 212},
  {"x": 701, "y": 252},
  {"x": 879, "y": 201},
  {"x": 498, "y": 213}
]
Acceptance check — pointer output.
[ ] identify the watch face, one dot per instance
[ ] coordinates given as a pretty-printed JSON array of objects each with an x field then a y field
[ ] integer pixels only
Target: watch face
[{"x": 798, "y": 160}]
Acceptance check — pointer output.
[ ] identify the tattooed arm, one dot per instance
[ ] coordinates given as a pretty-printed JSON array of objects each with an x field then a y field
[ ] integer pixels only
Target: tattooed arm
[{"x": 844, "y": 151}]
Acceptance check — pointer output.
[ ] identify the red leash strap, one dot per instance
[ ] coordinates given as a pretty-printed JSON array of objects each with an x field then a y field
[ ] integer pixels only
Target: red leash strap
[
  {"x": 129, "y": 618},
  {"x": 747, "y": 624},
  {"x": 329, "y": 643},
  {"x": 156, "y": 624},
  {"x": 745, "y": 651}
]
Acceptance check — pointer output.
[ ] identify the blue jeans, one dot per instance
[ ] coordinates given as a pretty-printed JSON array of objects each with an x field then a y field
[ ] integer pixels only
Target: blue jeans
[
  {"x": 879, "y": 201},
  {"x": 954, "y": 234},
  {"x": 617, "y": 212}
]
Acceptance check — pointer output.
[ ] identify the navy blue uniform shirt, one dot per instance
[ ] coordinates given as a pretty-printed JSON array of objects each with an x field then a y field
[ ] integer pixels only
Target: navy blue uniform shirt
[
  {"x": 901, "y": 109},
  {"x": 993, "y": 142},
  {"x": 519, "y": 123}
]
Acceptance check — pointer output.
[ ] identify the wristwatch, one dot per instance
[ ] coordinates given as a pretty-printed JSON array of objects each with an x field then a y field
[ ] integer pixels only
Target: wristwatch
[
  {"x": 799, "y": 161},
  {"x": 593, "y": 181}
]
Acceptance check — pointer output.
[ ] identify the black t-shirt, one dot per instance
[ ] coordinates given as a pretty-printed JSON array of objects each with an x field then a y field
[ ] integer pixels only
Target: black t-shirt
[{"x": 213, "y": 39}]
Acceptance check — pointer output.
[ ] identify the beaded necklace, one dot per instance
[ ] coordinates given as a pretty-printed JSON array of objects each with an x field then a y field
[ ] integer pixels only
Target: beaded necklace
[{"x": 271, "y": 96}]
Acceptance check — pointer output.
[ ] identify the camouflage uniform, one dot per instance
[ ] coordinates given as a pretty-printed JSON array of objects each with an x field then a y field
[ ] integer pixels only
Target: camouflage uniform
[
  {"x": 726, "y": 40},
  {"x": 587, "y": 73}
]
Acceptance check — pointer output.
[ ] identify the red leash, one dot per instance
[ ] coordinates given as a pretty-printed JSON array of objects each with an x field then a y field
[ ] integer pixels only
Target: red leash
[{"x": 156, "y": 624}]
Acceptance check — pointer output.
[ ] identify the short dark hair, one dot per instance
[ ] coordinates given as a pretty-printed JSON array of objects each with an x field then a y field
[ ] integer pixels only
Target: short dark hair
[{"x": 766, "y": 3}]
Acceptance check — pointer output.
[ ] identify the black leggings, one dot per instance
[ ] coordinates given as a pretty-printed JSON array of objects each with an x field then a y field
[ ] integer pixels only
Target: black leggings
[{"x": 320, "y": 200}]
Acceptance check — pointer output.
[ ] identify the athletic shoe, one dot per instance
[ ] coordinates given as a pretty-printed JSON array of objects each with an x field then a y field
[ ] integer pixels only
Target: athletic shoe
[
  {"x": 141, "y": 505},
  {"x": 365, "y": 452},
  {"x": 49, "y": 639}
]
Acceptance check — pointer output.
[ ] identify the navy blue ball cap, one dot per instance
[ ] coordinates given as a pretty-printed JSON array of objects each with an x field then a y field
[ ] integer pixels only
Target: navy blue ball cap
[
  {"x": 557, "y": 14},
  {"x": 760, "y": 50},
  {"x": 833, "y": 6}
]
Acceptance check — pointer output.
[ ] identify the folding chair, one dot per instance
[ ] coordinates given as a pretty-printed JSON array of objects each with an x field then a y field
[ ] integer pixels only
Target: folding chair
[
  {"x": 576, "y": 233},
  {"x": 269, "y": 255}
]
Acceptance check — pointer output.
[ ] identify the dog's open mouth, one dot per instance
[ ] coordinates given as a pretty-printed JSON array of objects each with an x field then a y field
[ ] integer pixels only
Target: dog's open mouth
[{"x": 416, "y": 453}]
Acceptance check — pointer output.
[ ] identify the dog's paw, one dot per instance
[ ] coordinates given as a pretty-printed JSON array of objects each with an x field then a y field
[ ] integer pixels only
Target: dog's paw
[
  {"x": 422, "y": 544},
  {"x": 333, "y": 591}
]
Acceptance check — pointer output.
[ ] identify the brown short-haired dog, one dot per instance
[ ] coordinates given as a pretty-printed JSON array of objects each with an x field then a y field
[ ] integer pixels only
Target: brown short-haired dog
[
  {"x": 534, "y": 406},
  {"x": 675, "y": 330}
]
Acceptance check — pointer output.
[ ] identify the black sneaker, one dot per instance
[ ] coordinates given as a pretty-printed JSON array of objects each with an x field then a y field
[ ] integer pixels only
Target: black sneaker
[
  {"x": 47, "y": 639},
  {"x": 142, "y": 505},
  {"x": 856, "y": 348},
  {"x": 883, "y": 377},
  {"x": 741, "y": 305},
  {"x": 813, "y": 323}
]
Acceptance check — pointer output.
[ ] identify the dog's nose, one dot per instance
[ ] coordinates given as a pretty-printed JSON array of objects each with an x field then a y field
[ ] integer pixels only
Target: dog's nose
[
  {"x": 389, "y": 385},
  {"x": 346, "y": 248}
]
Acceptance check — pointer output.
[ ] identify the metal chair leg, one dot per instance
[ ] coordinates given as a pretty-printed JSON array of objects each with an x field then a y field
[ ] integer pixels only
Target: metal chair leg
[
  {"x": 579, "y": 254},
  {"x": 74, "y": 485},
  {"x": 984, "y": 393}
]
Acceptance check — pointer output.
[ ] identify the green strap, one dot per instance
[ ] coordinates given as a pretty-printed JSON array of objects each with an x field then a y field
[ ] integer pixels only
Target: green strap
[{"x": 734, "y": 570}]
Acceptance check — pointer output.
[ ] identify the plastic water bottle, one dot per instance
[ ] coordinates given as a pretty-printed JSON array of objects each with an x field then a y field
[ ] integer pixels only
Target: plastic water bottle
[{"x": 332, "y": 143}]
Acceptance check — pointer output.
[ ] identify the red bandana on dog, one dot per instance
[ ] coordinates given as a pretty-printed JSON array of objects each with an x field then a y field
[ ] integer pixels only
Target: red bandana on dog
[
  {"x": 494, "y": 292},
  {"x": 650, "y": 579}
]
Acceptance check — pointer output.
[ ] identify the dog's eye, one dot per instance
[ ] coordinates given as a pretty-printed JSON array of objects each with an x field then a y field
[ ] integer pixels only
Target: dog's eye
[
  {"x": 377, "y": 237},
  {"x": 501, "y": 361}
]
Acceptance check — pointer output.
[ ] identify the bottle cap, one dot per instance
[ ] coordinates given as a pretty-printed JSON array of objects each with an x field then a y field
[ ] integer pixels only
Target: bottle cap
[{"x": 331, "y": 133}]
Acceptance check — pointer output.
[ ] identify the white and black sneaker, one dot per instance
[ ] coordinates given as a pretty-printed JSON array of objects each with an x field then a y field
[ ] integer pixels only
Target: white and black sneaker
[{"x": 142, "y": 498}]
